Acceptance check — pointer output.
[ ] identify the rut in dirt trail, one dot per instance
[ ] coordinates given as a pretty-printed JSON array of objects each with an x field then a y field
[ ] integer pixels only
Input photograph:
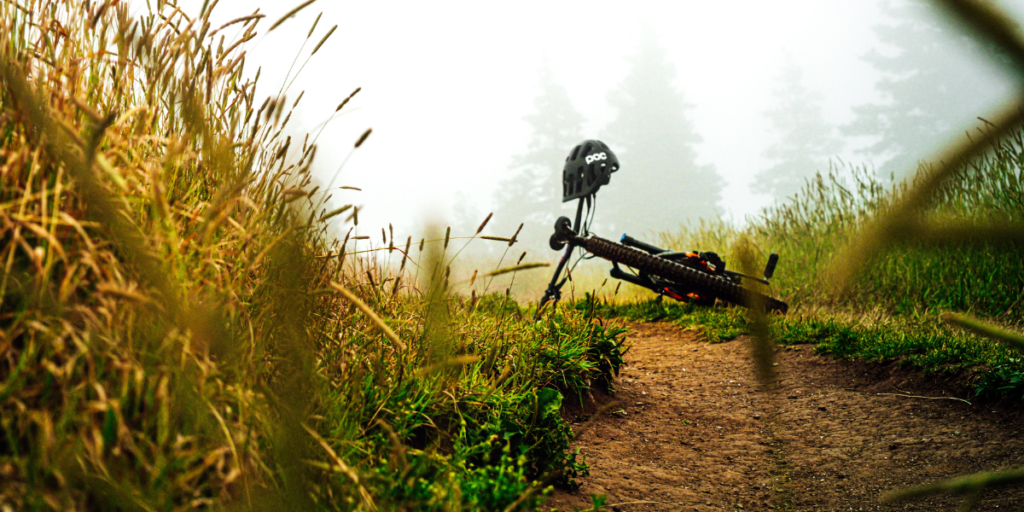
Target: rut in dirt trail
[{"x": 697, "y": 433}]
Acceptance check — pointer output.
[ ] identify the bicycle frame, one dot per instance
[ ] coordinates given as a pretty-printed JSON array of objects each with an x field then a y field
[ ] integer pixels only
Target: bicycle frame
[{"x": 691, "y": 277}]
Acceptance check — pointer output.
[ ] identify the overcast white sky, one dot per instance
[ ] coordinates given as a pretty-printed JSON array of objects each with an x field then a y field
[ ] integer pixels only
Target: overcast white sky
[{"x": 445, "y": 84}]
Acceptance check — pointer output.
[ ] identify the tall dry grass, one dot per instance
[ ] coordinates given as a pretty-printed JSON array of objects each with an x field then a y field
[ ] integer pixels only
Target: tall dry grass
[{"x": 178, "y": 330}]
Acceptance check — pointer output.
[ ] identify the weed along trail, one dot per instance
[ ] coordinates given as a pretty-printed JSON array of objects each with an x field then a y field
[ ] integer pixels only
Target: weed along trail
[{"x": 693, "y": 431}]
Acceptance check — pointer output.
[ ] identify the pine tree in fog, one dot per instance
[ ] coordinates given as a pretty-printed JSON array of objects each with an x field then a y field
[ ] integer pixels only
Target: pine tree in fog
[
  {"x": 805, "y": 143},
  {"x": 929, "y": 91},
  {"x": 659, "y": 184},
  {"x": 532, "y": 194}
]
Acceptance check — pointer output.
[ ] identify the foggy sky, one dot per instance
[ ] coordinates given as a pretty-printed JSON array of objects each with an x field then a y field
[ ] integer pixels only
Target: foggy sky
[{"x": 445, "y": 85}]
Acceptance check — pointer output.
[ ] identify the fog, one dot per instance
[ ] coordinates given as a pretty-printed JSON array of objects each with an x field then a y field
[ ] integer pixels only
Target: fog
[{"x": 714, "y": 108}]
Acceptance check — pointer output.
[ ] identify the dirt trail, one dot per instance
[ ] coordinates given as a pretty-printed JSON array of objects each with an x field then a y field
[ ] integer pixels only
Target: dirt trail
[{"x": 697, "y": 434}]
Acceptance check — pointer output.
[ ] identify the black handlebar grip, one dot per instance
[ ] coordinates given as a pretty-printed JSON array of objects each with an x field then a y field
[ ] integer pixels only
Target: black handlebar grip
[
  {"x": 769, "y": 269},
  {"x": 633, "y": 242}
]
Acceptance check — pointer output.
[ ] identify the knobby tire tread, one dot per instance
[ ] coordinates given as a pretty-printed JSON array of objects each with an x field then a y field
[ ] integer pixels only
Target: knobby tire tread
[{"x": 717, "y": 286}]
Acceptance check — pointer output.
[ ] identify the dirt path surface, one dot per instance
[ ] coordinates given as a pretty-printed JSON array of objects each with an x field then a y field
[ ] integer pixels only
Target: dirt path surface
[{"x": 695, "y": 432}]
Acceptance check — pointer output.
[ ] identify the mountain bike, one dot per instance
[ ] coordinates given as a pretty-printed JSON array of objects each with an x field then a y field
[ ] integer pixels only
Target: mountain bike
[{"x": 696, "y": 277}]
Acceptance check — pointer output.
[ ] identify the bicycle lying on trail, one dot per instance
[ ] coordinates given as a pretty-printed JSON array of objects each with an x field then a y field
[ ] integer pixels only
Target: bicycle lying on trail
[{"x": 697, "y": 277}]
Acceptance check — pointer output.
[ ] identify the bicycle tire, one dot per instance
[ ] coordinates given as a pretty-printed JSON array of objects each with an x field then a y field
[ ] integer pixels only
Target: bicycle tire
[{"x": 719, "y": 287}]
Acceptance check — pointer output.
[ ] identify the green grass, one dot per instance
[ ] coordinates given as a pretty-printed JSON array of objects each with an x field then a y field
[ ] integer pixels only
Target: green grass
[
  {"x": 714, "y": 325},
  {"x": 493, "y": 426},
  {"x": 924, "y": 344}
]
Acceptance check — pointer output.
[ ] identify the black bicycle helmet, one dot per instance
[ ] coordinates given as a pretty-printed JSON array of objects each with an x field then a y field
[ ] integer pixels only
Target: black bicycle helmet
[{"x": 589, "y": 166}]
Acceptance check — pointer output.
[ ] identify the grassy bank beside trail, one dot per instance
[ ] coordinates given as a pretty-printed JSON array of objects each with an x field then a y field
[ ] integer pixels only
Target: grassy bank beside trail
[
  {"x": 924, "y": 344},
  {"x": 891, "y": 310},
  {"x": 811, "y": 229},
  {"x": 179, "y": 330}
]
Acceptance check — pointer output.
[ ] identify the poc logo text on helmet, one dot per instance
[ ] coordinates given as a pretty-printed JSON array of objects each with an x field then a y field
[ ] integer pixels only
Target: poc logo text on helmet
[{"x": 595, "y": 157}]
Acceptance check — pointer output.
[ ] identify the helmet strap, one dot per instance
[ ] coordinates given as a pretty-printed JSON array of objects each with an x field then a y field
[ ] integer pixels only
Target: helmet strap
[{"x": 579, "y": 214}]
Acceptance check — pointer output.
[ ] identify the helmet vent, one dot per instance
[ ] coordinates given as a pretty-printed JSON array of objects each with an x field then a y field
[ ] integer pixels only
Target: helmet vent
[{"x": 575, "y": 152}]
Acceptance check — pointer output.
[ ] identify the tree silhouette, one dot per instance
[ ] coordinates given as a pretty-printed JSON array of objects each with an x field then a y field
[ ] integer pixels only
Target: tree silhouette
[
  {"x": 806, "y": 141},
  {"x": 533, "y": 192},
  {"x": 659, "y": 184},
  {"x": 927, "y": 89}
]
